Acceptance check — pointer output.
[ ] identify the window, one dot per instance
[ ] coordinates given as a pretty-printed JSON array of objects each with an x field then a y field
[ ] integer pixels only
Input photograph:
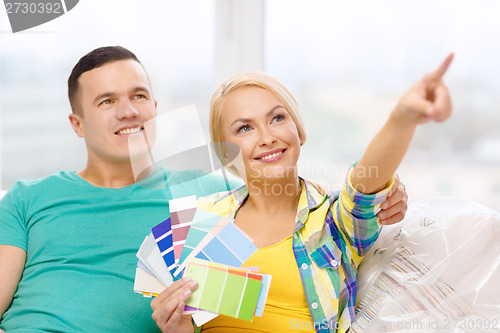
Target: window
[
  {"x": 348, "y": 63},
  {"x": 173, "y": 39}
]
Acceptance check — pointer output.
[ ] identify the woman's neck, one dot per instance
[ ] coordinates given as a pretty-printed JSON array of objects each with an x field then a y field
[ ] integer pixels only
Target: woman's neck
[{"x": 270, "y": 196}]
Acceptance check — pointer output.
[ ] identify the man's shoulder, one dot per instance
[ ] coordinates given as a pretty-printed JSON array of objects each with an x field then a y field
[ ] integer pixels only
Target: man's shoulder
[
  {"x": 55, "y": 177},
  {"x": 43, "y": 183}
]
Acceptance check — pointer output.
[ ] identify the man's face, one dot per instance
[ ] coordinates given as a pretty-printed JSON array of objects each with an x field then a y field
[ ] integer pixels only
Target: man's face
[{"x": 115, "y": 101}]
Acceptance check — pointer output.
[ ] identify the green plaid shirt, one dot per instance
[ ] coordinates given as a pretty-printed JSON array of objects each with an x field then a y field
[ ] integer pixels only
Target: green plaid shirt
[{"x": 332, "y": 234}]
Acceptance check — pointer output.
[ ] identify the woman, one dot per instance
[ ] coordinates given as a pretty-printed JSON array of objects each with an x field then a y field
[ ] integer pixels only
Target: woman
[{"x": 311, "y": 244}]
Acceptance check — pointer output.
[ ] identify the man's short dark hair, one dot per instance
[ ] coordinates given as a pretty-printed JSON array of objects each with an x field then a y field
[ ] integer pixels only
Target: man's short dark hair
[{"x": 91, "y": 60}]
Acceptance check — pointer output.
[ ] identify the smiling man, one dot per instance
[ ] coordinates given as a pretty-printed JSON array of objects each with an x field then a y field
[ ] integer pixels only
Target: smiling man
[
  {"x": 110, "y": 103},
  {"x": 68, "y": 241}
]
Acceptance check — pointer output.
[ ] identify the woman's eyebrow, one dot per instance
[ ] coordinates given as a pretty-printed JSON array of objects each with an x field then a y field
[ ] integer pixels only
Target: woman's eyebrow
[
  {"x": 274, "y": 109},
  {"x": 246, "y": 120}
]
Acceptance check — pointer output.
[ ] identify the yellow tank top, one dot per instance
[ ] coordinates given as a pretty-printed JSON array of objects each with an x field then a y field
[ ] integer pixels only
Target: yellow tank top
[{"x": 286, "y": 307}]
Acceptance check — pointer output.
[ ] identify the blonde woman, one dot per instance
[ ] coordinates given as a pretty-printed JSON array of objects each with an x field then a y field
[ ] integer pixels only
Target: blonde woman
[{"x": 310, "y": 243}]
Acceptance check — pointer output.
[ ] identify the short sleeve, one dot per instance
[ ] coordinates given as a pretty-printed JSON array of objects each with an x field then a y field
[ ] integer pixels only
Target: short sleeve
[{"x": 13, "y": 229}]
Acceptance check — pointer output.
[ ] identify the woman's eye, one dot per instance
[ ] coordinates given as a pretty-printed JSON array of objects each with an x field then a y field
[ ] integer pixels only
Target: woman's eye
[
  {"x": 278, "y": 118},
  {"x": 243, "y": 129}
]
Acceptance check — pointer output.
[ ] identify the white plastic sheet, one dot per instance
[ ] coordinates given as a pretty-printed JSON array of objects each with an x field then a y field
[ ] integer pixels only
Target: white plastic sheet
[{"x": 437, "y": 271}]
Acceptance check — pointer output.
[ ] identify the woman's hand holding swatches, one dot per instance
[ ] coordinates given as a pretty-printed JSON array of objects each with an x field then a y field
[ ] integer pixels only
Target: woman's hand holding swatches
[{"x": 169, "y": 306}]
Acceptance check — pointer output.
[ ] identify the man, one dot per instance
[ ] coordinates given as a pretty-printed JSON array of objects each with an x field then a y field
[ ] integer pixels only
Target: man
[{"x": 68, "y": 241}]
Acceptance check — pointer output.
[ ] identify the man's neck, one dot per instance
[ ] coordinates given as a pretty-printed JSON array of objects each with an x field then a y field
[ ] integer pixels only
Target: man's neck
[{"x": 117, "y": 175}]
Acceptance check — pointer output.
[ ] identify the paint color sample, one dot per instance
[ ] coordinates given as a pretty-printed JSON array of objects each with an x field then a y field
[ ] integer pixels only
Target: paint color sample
[
  {"x": 230, "y": 303},
  {"x": 230, "y": 246},
  {"x": 250, "y": 297},
  {"x": 143, "y": 266},
  {"x": 264, "y": 291},
  {"x": 147, "y": 283},
  {"x": 151, "y": 257},
  {"x": 181, "y": 205},
  {"x": 203, "y": 222},
  {"x": 199, "y": 235},
  {"x": 228, "y": 291},
  {"x": 184, "y": 216},
  {"x": 184, "y": 203},
  {"x": 211, "y": 296},
  {"x": 163, "y": 237},
  {"x": 234, "y": 238},
  {"x": 180, "y": 232},
  {"x": 201, "y": 317},
  {"x": 197, "y": 273},
  {"x": 182, "y": 212}
]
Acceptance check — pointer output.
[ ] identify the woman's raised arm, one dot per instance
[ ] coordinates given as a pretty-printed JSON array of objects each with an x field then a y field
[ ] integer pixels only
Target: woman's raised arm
[{"x": 428, "y": 100}]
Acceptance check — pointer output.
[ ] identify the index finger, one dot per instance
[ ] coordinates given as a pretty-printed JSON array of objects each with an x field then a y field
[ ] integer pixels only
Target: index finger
[{"x": 438, "y": 73}]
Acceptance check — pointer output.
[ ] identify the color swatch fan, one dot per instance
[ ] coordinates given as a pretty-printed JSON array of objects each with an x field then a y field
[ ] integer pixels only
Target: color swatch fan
[{"x": 210, "y": 249}]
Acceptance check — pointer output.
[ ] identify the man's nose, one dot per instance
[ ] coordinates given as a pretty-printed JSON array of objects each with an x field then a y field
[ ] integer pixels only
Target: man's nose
[{"x": 126, "y": 110}]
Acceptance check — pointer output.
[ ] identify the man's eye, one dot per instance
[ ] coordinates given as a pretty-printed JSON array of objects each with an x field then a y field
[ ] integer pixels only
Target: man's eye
[
  {"x": 139, "y": 97},
  {"x": 107, "y": 101},
  {"x": 243, "y": 129}
]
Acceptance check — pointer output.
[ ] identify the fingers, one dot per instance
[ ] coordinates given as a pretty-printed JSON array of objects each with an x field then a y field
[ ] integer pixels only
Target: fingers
[
  {"x": 169, "y": 305},
  {"x": 437, "y": 93},
  {"x": 397, "y": 196},
  {"x": 438, "y": 73},
  {"x": 173, "y": 321},
  {"x": 428, "y": 100},
  {"x": 415, "y": 107},
  {"x": 441, "y": 108},
  {"x": 390, "y": 200},
  {"x": 396, "y": 218},
  {"x": 395, "y": 206},
  {"x": 393, "y": 214}
]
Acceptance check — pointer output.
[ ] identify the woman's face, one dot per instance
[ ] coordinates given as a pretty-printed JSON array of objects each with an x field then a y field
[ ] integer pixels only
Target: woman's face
[{"x": 257, "y": 122}]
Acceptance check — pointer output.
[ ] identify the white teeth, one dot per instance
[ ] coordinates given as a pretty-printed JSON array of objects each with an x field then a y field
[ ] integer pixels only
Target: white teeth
[
  {"x": 271, "y": 156},
  {"x": 129, "y": 130}
]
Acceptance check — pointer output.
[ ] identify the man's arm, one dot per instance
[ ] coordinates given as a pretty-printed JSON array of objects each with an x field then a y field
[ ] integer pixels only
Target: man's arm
[
  {"x": 428, "y": 100},
  {"x": 12, "y": 260}
]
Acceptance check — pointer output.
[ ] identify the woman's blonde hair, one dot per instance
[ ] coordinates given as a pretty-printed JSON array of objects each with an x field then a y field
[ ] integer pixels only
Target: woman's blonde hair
[{"x": 250, "y": 79}]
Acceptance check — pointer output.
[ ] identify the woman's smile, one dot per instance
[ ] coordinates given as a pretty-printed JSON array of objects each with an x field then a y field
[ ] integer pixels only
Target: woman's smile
[{"x": 271, "y": 156}]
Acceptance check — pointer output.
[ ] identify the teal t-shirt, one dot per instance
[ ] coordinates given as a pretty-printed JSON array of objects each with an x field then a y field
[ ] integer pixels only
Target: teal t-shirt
[{"x": 81, "y": 241}]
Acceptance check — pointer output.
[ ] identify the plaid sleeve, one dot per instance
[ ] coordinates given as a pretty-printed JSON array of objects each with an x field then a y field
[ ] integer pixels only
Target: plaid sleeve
[{"x": 355, "y": 214}]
